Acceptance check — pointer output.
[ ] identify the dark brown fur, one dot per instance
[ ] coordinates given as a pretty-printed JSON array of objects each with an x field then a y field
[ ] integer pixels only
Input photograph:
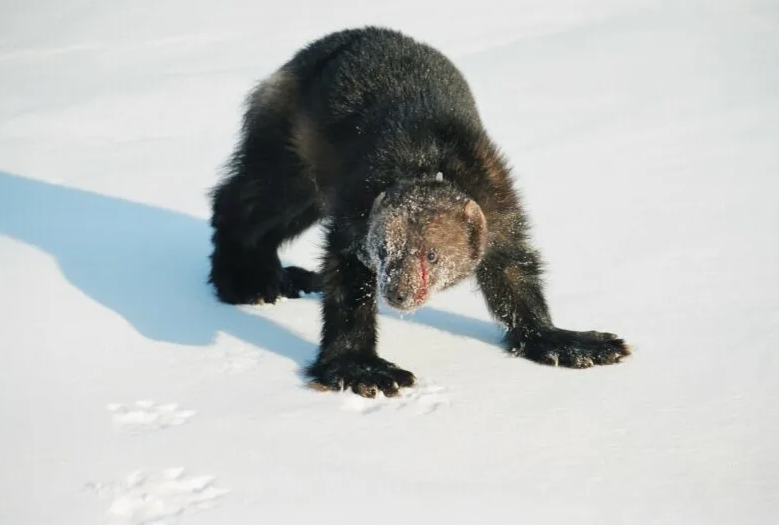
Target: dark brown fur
[{"x": 355, "y": 129}]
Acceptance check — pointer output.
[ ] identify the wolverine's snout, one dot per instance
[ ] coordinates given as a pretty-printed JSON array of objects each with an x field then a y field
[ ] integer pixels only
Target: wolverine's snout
[
  {"x": 399, "y": 287},
  {"x": 404, "y": 302},
  {"x": 404, "y": 296},
  {"x": 401, "y": 300}
]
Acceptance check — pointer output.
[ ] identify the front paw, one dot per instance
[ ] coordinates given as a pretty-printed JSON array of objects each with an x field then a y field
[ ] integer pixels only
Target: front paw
[
  {"x": 364, "y": 375},
  {"x": 569, "y": 348}
]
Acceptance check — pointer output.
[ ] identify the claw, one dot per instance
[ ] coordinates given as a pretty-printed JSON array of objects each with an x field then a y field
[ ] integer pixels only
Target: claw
[
  {"x": 405, "y": 379},
  {"x": 364, "y": 377},
  {"x": 316, "y": 385},
  {"x": 365, "y": 390}
]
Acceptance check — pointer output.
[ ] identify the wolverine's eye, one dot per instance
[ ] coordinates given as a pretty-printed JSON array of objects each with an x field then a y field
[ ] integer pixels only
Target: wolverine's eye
[{"x": 432, "y": 256}]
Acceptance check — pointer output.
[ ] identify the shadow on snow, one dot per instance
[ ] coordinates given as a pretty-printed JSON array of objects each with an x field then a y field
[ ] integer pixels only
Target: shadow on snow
[{"x": 149, "y": 265}]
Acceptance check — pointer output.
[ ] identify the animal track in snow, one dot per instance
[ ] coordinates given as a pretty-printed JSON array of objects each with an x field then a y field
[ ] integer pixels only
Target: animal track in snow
[
  {"x": 235, "y": 360},
  {"x": 158, "y": 499},
  {"x": 148, "y": 415},
  {"x": 424, "y": 398}
]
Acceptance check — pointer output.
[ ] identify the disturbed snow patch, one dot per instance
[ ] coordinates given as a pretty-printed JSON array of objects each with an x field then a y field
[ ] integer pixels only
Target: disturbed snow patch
[
  {"x": 145, "y": 415},
  {"x": 159, "y": 498},
  {"x": 425, "y": 398}
]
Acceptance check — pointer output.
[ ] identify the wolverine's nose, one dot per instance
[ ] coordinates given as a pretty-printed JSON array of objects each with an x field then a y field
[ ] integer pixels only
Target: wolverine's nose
[{"x": 399, "y": 299}]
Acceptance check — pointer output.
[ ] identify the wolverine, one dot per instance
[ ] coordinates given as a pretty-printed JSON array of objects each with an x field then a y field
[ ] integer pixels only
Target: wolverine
[{"x": 377, "y": 136}]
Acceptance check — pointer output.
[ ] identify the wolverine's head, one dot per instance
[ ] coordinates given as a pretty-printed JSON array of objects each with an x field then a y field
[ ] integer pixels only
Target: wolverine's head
[{"x": 423, "y": 237}]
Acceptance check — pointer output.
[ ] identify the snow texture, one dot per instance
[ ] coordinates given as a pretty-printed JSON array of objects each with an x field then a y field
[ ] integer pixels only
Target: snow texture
[
  {"x": 148, "y": 415},
  {"x": 645, "y": 138},
  {"x": 158, "y": 498}
]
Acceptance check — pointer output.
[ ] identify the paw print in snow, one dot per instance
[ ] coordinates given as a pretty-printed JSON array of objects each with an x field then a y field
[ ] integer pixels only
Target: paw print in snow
[
  {"x": 144, "y": 499},
  {"x": 148, "y": 415}
]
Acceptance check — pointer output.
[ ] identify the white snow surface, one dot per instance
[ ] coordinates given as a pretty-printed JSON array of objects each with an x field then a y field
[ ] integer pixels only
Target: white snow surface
[{"x": 645, "y": 139}]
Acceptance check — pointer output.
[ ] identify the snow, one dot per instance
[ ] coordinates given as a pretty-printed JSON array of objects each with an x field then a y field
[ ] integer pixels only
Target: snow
[{"x": 644, "y": 138}]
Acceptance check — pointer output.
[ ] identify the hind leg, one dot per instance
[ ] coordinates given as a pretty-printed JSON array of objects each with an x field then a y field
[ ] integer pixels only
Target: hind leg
[
  {"x": 268, "y": 198},
  {"x": 295, "y": 280},
  {"x": 248, "y": 271}
]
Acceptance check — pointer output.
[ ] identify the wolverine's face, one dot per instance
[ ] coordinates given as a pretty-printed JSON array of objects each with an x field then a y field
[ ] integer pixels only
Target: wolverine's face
[{"x": 421, "y": 241}]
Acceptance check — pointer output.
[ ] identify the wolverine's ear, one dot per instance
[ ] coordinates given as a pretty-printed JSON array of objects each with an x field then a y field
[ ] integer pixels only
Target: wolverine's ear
[{"x": 477, "y": 226}]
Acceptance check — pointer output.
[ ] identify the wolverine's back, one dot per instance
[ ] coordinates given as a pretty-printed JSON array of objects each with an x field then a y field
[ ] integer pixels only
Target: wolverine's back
[{"x": 375, "y": 76}]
